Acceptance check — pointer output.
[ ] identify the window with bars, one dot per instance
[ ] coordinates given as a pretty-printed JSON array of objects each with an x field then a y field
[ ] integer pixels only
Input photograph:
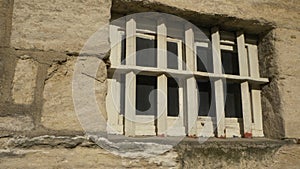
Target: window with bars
[{"x": 169, "y": 80}]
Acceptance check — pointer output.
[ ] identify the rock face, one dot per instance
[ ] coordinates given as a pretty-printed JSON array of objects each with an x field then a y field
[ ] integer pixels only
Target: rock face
[
  {"x": 58, "y": 25},
  {"x": 58, "y": 110},
  {"x": 41, "y": 42},
  {"x": 78, "y": 152},
  {"x": 287, "y": 50},
  {"x": 24, "y": 82},
  {"x": 19, "y": 123},
  {"x": 6, "y": 7}
]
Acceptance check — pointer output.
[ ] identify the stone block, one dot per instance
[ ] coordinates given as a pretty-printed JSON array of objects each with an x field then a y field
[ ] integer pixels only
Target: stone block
[
  {"x": 58, "y": 110},
  {"x": 57, "y": 25},
  {"x": 5, "y": 22},
  {"x": 287, "y": 50},
  {"x": 20, "y": 123},
  {"x": 24, "y": 81}
]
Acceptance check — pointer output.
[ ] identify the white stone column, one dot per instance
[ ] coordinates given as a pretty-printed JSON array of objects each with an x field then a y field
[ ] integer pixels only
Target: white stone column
[
  {"x": 192, "y": 106},
  {"x": 131, "y": 42},
  {"x": 257, "y": 127},
  {"x": 130, "y": 86},
  {"x": 162, "y": 85},
  {"x": 113, "y": 105},
  {"x": 218, "y": 84},
  {"x": 192, "y": 99},
  {"x": 180, "y": 124},
  {"x": 189, "y": 50},
  {"x": 161, "y": 44},
  {"x": 115, "y": 46},
  {"x": 162, "y": 105},
  {"x": 245, "y": 94},
  {"x": 130, "y": 102}
]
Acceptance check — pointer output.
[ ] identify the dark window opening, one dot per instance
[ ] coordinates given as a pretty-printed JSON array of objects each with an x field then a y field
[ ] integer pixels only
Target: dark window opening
[
  {"x": 146, "y": 95},
  {"x": 230, "y": 62},
  {"x": 204, "y": 91},
  {"x": 233, "y": 105},
  {"x": 203, "y": 63},
  {"x": 173, "y": 97},
  {"x": 172, "y": 60},
  {"x": 146, "y": 52}
]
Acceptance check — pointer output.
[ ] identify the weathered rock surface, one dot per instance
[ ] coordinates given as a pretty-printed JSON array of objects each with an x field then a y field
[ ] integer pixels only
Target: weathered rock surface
[
  {"x": 24, "y": 82},
  {"x": 78, "y": 152},
  {"x": 19, "y": 123},
  {"x": 287, "y": 157},
  {"x": 5, "y": 22},
  {"x": 71, "y": 152},
  {"x": 280, "y": 12},
  {"x": 288, "y": 52},
  {"x": 58, "y": 110},
  {"x": 57, "y": 25}
]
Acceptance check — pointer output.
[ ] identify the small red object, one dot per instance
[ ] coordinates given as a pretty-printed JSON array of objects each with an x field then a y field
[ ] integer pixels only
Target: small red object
[{"x": 248, "y": 135}]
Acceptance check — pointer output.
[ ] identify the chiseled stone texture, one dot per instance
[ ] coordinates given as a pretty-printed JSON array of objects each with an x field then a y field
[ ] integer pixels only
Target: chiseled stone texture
[
  {"x": 72, "y": 152},
  {"x": 80, "y": 157},
  {"x": 2, "y": 76},
  {"x": 80, "y": 152},
  {"x": 18, "y": 123},
  {"x": 287, "y": 157},
  {"x": 281, "y": 12},
  {"x": 288, "y": 52},
  {"x": 58, "y": 110},
  {"x": 101, "y": 88},
  {"x": 5, "y": 22},
  {"x": 24, "y": 82},
  {"x": 57, "y": 25}
]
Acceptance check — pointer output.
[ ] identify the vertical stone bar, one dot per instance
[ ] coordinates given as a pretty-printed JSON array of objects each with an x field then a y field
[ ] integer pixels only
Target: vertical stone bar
[
  {"x": 131, "y": 42},
  {"x": 162, "y": 106},
  {"x": 257, "y": 112},
  {"x": 192, "y": 106},
  {"x": 257, "y": 128},
  {"x": 216, "y": 50},
  {"x": 161, "y": 44},
  {"x": 192, "y": 99},
  {"x": 162, "y": 85},
  {"x": 253, "y": 61},
  {"x": 130, "y": 101},
  {"x": 245, "y": 94},
  {"x": 218, "y": 84},
  {"x": 130, "y": 89},
  {"x": 180, "y": 58},
  {"x": 242, "y": 54},
  {"x": 180, "y": 124},
  {"x": 115, "y": 46},
  {"x": 219, "y": 107},
  {"x": 246, "y": 108},
  {"x": 189, "y": 47},
  {"x": 112, "y": 104}
]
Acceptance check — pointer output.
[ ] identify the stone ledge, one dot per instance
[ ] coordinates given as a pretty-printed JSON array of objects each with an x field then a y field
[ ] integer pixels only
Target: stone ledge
[
  {"x": 237, "y": 152},
  {"x": 89, "y": 141}
]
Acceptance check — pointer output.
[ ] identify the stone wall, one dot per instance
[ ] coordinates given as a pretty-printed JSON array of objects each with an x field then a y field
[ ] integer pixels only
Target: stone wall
[
  {"x": 39, "y": 49},
  {"x": 6, "y": 8},
  {"x": 40, "y": 42}
]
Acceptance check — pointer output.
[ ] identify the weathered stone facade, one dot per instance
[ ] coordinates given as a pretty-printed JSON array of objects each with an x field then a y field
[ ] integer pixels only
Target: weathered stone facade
[{"x": 40, "y": 42}]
